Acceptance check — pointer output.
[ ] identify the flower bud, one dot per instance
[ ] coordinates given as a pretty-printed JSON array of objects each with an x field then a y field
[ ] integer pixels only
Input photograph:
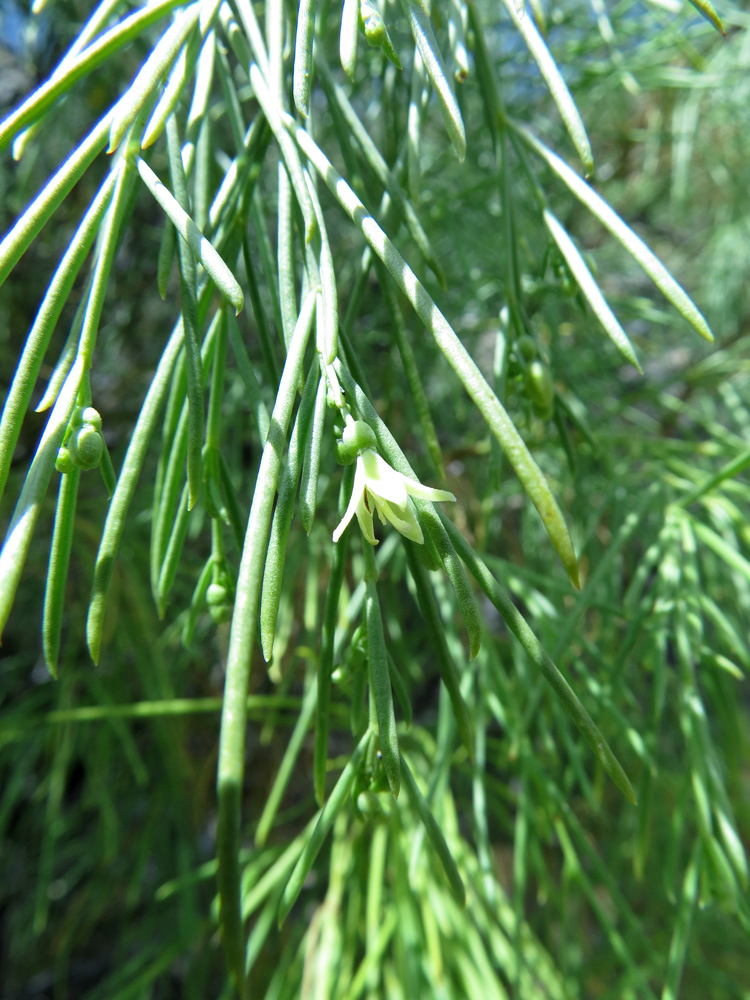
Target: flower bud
[
  {"x": 92, "y": 417},
  {"x": 216, "y": 594},
  {"x": 527, "y": 347},
  {"x": 360, "y": 436},
  {"x": 86, "y": 447},
  {"x": 64, "y": 462},
  {"x": 220, "y": 613},
  {"x": 374, "y": 25},
  {"x": 540, "y": 389}
]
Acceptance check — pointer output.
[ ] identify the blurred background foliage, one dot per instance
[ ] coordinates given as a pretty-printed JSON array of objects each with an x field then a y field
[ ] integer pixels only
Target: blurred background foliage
[{"x": 107, "y": 795}]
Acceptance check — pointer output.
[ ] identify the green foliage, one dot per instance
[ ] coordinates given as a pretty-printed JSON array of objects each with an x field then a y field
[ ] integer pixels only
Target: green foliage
[{"x": 377, "y": 265}]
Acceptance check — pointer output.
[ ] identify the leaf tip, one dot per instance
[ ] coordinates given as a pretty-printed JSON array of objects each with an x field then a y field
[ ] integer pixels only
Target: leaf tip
[{"x": 572, "y": 569}]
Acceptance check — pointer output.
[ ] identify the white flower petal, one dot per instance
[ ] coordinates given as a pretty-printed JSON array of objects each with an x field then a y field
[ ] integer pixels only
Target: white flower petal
[
  {"x": 364, "y": 516},
  {"x": 404, "y": 520},
  {"x": 358, "y": 490},
  {"x": 382, "y": 480},
  {"x": 416, "y": 489}
]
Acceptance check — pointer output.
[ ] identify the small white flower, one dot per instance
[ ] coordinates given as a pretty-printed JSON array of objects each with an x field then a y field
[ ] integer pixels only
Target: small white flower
[{"x": 378, "y": 487}]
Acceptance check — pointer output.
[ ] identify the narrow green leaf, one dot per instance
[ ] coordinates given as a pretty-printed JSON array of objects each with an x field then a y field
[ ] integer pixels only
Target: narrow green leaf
[
  {"x": 726, "y": 552},
  {"x": 199, "y": 104},
  {"x": 622, "y": 232},
  {"x": 380, "y": 686},
  {"x": 66, "y": 359},
  {"x": 349, "y": 36},
  {"x": 109, "y": 237},
  {"x": 273, "y": 572},
  {"x": 706, "y": 8},
  {"x": 557, "y": 86},
  {"x": 303, "y": 59},
  {"x": 418, "y": 98},
  {"x": 288, "y": 762},
  {"x": 275, "y": 115},
  {"x": 27, "y": 369},
  {"x": 197, "y": 603},
  {"x": 327, "y": 341},
  {"x": 17, "y": 240},
  {"x": 520, "y": 629},
  {"x": 22, "y": 523},
  {"x": 57, "y": 572},
  {"x": 85, "y": 37},
  {"x": 190, "y": 327},
  {"x": 172, "y": 556},
  {"x": 107, "y": 470},
  {"x": 173, "y": 91},
  {"x": 436, "y": 635},
  {"x": 457, "y": 18},
  {"x": 413, "y": 378},
  {"x": 201, "y": 248},
  {"x": 285, "y": 254},
  {"x": 262, "y": 323},
  {"x": 308, "y": 493},
  {"x": 448, "y": 557},
  {"x": 313, "y": 844},
  {"x": 730, "y": 838},
  {"x": 590, "y": 289},
  {"x": 167, "y": 246},
  {"x": 434, "y": 833},
  {"x": 169, "y": 484},
  {"x": 327, "y": 644},
  {"x": 729, "y": 470},
  {"x": 377, "y": 163},
  {"x": 400, "y": 689},
  {"x": 126, "y": 483},
  {"x": 236, "y": 514},
  {"x": 250, "y": 382},
  {"x": 424, "y": 36},
  {"x": 151, "y": 73},
  {"x": 681, "y": 933},
  {"x": 94, "y": 55}
]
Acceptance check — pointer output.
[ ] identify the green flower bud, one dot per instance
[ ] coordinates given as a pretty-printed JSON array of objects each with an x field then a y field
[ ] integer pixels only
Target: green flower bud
[
  {"x": 91, "y": 417},
  {"x": 86, "y": 447},
  {"x": 344, "y": 455},
  {"x": 64, "y": 462},
  {"x": 375, "y": 32},
  {"x": 341, "y": 675},
  {"x": 540, "y": 389},
  {"x": 359, "y": 436},
  {"x": 527, "y": 347},
  {"x": 220, "y": 613},
  {"x": 216, "y": 595}
]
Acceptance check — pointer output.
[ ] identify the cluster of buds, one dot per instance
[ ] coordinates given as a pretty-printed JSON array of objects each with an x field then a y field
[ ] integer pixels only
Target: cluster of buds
[{"x": 83, "y": 445}]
